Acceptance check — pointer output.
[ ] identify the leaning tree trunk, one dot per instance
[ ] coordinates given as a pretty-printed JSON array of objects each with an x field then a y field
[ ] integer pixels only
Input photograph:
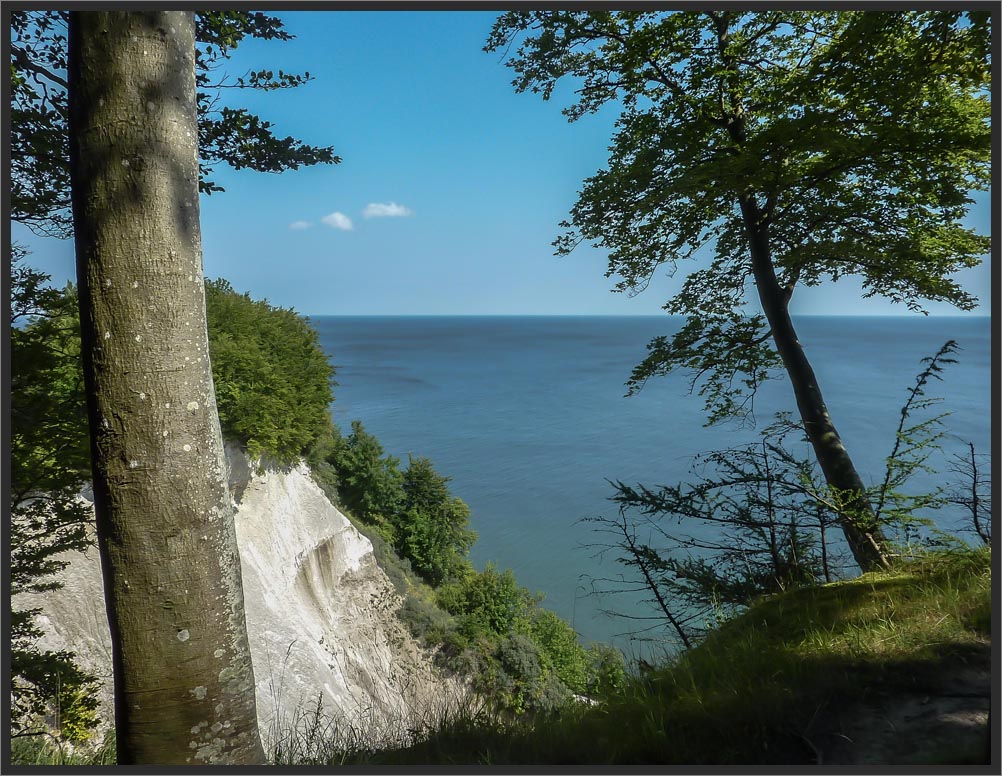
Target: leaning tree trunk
[
  {"x": 184, "y": 686},
  {"x": 858, "y": 522}
]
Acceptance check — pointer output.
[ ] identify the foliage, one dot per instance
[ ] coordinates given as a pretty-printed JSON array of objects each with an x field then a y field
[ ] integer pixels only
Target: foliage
[
  {"x": 427, "y": 621},
  {"x": 39, "y": 140},
  {"x": 519, "y": 678},
  {"x": 432, "y": 526},
  {"x": 560, "y": 650},
  {"x": 413, "y": 510},
  {"x": 722, "y": 110},
  {"x": 750, "y": 523},
  {"x": 913, "y": 444},
  {"x": 754, "y": 520},
  {"x": 48, "y": 417},
  {"x": 488, "y": 603},
  {"x": 49, "y": 463},
  {"x": 780, "y": 148},
  {"x": 48, "y": 689},
  {"x": 234, "y": 136},
  {"x": 370, "y": 484},
  {"x": 272, "y": 378},
  {"x": 606, "y": 672},
  {"x": 526, "y": 658}
]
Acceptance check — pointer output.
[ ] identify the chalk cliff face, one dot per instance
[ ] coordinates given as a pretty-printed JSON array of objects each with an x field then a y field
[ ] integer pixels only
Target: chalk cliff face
[{"x": 321, "y": 617}]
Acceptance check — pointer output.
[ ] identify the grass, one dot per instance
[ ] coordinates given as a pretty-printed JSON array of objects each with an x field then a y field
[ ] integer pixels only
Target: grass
[
  {"x": 751, "y": 691},
  {"x": 45, "y": 749}
]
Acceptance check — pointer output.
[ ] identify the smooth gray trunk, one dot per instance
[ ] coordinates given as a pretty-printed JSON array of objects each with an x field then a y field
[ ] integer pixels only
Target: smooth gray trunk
[
  {"x": 184, "y": 686},
  {"x": 858, "y": 523},
  {"x": 857, "y": 519}
]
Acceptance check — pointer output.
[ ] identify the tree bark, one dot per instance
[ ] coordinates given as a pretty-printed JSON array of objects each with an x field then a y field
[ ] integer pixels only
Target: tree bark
[
  {"x": 184, "y": 685},
  {"x": 858, "y": 522}
]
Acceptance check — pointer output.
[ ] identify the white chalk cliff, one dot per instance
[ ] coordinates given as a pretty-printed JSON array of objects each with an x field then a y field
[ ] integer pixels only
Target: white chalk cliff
[{"x": 321, "y": 616}]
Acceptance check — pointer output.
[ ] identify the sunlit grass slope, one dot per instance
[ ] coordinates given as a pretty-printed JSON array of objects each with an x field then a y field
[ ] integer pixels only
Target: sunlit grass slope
[{"x": 752, "y": 691}]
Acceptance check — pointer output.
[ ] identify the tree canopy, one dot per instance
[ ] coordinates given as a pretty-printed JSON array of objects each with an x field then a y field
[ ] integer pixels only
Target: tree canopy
[
  {"x": 227, "y": 134},
  {"x": 272, "y": 377},
  {"x": 858, "y": 136},
  {"x": 796, "y": 148}
]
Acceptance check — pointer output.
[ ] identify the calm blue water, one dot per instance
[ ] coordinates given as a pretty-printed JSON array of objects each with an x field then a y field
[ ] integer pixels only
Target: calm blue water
[{"x": 528, "y": 417}]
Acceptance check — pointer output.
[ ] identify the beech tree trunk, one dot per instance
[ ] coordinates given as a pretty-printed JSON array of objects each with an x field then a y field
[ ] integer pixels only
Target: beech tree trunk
[
  {"x": 184, "y": 685},
  {"x": 858, "y": 522}
]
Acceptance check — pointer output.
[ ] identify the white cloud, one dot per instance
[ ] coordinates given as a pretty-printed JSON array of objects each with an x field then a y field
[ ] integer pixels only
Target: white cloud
[
  {"x": 338, "y": 220},
  {"x": 300, "y": 225},
  {"x": 386, "y": 210}
]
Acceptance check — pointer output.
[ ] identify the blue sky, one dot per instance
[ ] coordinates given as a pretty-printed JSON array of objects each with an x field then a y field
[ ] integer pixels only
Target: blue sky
[{"x": 469, "y": 178}]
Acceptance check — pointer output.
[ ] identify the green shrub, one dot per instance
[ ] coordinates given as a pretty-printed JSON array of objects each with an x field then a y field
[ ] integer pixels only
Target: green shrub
[
  {"x": 606, "y": 670},
  {"x": 489, "y": 603},
  {"x": 426, "y": 621},
  {"x": 433, "y": 526},
  {"x": 521, "y": 678},
  {"x": 561, "y": 650},
  {"x": 370, "y": 484},
  {"x": 523, "y": 657},
  {"x": 273, "y": 380}
]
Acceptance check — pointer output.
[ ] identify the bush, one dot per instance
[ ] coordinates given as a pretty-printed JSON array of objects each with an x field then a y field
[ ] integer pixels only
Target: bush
[
  {"x": 433, "y": 526},
  {"x": 273, "y": 380},
  {"x": 606, "y": 670},
  {"x": 427, "y": 622},
  {"x": 490, "y": 603},
  {"x": 524, "y": 658},
  {"x": 370, "y": 484},
  {"x": 561, "y": 650},
  {"x": 522, "y": 680}
]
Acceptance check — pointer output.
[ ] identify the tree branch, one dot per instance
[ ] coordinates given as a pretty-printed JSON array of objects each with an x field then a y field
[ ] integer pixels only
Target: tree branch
[{"x": 24, "y": 61}]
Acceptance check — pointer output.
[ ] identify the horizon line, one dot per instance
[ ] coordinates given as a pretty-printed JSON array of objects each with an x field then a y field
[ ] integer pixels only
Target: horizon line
[{"x": 629, "y": 315}]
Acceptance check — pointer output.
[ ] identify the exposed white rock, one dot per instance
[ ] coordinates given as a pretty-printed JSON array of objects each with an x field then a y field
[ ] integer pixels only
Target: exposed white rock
[{"x": 321, "y": 617}]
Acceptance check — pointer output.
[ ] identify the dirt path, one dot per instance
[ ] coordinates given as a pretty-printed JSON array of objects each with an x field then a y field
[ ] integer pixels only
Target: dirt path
[{"x": 939, "y": 718}]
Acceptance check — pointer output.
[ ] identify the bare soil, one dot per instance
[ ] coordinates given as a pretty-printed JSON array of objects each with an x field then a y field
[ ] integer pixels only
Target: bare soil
[{"x": 930, "y": 713}]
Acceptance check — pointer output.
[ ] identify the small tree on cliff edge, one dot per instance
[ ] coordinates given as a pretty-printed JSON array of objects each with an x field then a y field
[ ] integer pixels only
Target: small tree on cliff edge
[
  {"x": 184, "y": 685},
  {"x": 803, "y": 147}
]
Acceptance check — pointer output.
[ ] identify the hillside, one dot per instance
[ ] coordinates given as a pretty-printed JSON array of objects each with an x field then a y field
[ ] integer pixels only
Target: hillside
[
  {"x": 321, "y": 618},
  {"x": 889, "y": 668}
]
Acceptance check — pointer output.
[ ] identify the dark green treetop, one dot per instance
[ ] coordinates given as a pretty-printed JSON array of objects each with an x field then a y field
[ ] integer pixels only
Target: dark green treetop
[
  {"x": 370, "y": 483},
  {"x": 433, "y": 526},
  {"x": 272, "y": 377}
]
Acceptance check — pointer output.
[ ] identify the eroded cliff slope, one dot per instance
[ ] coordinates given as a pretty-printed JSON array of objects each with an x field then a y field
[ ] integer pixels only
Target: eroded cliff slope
[{"x": 321, "y": 617}]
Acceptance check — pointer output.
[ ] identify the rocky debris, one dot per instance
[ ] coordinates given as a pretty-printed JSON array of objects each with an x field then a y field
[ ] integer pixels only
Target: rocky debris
[{"x": 321, "y": 619}]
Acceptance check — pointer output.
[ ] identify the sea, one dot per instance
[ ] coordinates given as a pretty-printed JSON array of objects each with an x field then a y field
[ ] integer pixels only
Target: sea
[{"x": 528, "y": 417}]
